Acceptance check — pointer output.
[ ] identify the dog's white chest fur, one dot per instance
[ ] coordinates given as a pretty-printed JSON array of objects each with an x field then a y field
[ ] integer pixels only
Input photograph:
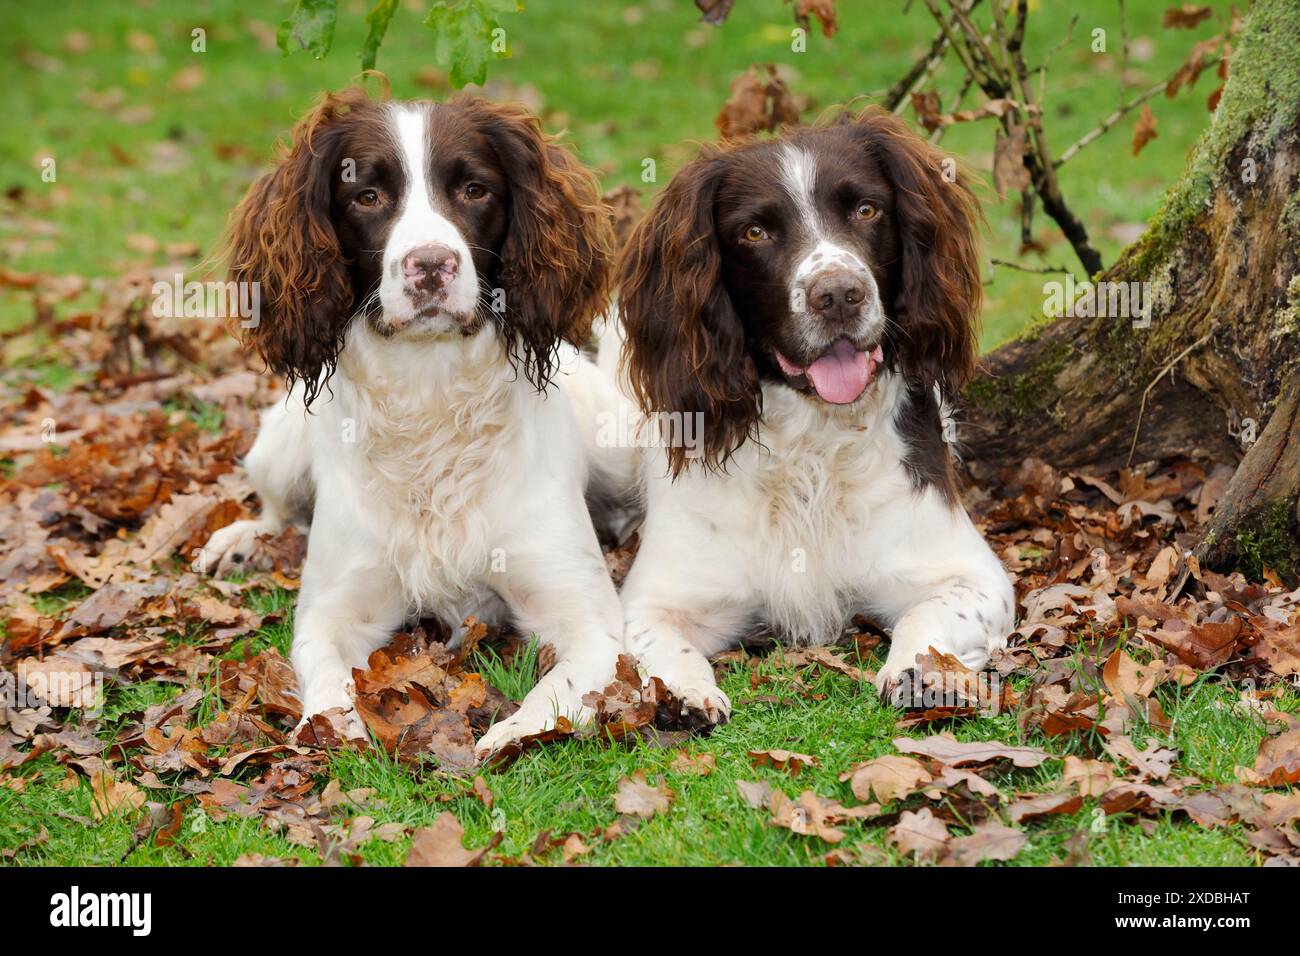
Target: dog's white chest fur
[
  {"x": 429, "y": 453},
  {"x": 820, "y": 487}
]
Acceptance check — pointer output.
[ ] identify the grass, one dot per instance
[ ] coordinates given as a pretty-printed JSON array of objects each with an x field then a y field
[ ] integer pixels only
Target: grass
[
  {"x": 570, "y": 787},
  {"x": 141, "y": 150},
  {"x": 515, "y": 677}
]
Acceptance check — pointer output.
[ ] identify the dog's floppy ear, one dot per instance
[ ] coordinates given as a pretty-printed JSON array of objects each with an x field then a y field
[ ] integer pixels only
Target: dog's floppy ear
[
  {"x": 937, "y": 303},
  {"x": 281, "y": 236},
  {"x": 684, "y": 351},
  {"x": 555, "y": 260}
]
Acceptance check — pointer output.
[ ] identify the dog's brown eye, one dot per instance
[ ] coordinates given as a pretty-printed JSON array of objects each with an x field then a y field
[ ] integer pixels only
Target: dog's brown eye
[
  {"x": 474, "y": 191},
  {"x": 367, "y": 197},
  {"x": 864, "y": 211},
  {"x": 755, "y": 233}
]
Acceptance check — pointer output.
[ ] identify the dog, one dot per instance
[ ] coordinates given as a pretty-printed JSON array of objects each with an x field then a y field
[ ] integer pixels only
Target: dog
[
  {"x": 809, "y": 300},
  {"x": 422, "y": 267}
]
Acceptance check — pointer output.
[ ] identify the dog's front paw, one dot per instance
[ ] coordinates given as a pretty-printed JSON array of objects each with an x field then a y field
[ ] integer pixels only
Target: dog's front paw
[
  {"x": 898, "y": 686},
  {"x": 345, "y": 722},
  {"x": 336, "y": 703},
  {"x": 703, "y": 699},
  {"x": 233, "y": 547},
  {"x": 495, "y": 737},
  {"x": 524, "y": 723},
  {"x": 890, "y": 674}
]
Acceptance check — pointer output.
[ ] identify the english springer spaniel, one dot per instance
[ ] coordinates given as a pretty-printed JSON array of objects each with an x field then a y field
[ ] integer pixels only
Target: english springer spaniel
[
  {"x": 422, "y": 266},
  {"x": 806, "y": 300}
]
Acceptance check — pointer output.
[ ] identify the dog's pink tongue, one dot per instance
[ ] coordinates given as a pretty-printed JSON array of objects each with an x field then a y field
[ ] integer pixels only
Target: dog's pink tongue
[{"x": 841, "y": 375}]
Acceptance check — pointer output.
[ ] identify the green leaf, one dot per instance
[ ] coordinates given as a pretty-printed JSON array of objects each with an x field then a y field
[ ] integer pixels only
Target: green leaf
[
  {"x": 378, "y": 19},
  {"x": 463, "y": 35},
  {"x": 310, "y": 27}
]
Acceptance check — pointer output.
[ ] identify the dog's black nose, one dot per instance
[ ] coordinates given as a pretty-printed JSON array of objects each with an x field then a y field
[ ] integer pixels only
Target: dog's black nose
[
  {"x": 431, "y": 267},
  {"x": 836, "y": 294}
]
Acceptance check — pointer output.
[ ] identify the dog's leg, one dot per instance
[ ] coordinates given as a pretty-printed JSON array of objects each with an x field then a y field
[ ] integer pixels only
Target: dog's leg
[
  {"x": 348, "y": 607},
  {"x": 557, "y": 587},
  {"x": 279, "y": 467},
  {"x": 684, "y": 600},
  {"x": 965, "y": 617},
  {"x": 942, "y": 587},
  {"x": 674, "y": 645}
]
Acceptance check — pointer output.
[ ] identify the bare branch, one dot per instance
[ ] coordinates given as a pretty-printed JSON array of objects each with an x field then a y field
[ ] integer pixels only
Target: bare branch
[
  {"x": 997, "y": 83},
  {"x": 1044, "y": 270},
  {"x": 1118, "y": 114},
  {"x": 898, "y": 95}
]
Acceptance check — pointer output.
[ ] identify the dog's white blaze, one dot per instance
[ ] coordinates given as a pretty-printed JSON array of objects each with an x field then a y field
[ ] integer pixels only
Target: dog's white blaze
[
  {"x": 798, "y": 177},
  {"x": 418, "y": 223},
  {"x": 798, "y": 170}
]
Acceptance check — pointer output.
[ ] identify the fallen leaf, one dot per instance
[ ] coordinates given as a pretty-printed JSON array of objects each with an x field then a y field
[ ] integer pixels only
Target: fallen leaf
[
  {"x": 1277, "y": 764},
  {"x": 787, "y": 760},
  {"x": 1154, "y": 762},
  {"x": 989, "y": 840},
  {"x": 1092, "y": 778},
  {"x": 701, "y": 764},
  {"x": 948, "y": 750},
  {"x": 109, "y": 797},
  {"x": 442, "y": 844},
  {"x": 756, "y": 793},
  {"x": 888, "y": 778},
  {"x": 1039, "y": 805},
  {"x": 919, "y": 834},
  {"x": 638, "y": 798}
]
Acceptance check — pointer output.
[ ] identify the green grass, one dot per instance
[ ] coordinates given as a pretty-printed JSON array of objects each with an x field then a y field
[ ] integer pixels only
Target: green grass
[
  {"x": 514, "y": 678},
  {"x": 570, "y": 787},
  {"x": 630, "y": 81}
]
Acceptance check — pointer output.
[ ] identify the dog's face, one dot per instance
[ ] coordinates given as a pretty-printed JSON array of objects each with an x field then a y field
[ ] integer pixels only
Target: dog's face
[
  {"x": 815, "y": 262},
  {"x": 425, "y": 220},
  {"x": 810, "y": 260},
  {"x": 421, "y": 217}
]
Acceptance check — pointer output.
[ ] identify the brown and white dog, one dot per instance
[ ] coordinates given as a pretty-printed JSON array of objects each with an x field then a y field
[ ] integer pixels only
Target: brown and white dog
[
  {"x": 809, "y": 299},
  {"x": 421, "y": 267}
]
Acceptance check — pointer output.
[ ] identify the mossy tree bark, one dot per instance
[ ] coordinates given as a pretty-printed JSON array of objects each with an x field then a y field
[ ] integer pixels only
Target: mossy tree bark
[{"x": 1218, "y": 355}]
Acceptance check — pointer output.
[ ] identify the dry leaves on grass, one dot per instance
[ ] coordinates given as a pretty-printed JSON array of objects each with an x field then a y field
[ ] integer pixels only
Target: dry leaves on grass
[
  {"x": 787, "y": 760},
  {"x": 948, "y": 750},
  {"x": 1278, "y": 761},
  {"x": 443, "y": 844},
  {"x": 418, "y": 701},
  {"x": 887, "y": 778},
  {"x": 639, "y": 798}
]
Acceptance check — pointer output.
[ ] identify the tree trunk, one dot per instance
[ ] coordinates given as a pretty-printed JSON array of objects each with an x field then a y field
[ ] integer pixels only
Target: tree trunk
[{"x": 1215, "y": 362}]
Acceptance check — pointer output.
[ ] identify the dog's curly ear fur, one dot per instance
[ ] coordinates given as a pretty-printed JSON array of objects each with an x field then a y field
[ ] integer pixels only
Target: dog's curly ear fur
[
  {"x": 281, "y": 236},
  {"x": 555, "y": 261},
  {"x": 684, "y": 351},
  {"x": 936, "y": 307}
]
